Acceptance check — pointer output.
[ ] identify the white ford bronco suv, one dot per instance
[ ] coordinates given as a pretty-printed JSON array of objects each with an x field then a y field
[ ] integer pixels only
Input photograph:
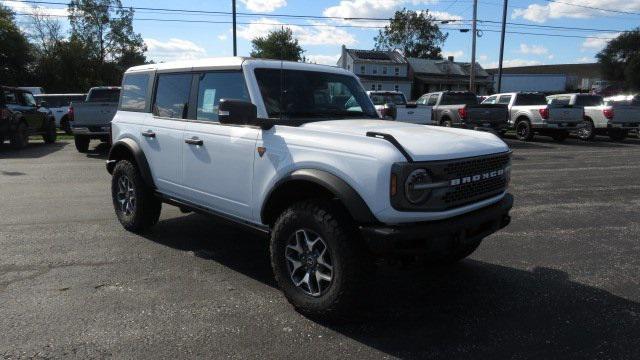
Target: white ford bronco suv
[{"x": 297, "y": 153}]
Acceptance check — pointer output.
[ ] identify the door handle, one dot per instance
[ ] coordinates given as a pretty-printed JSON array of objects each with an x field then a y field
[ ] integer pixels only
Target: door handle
[
  {"x": 149, "y": 134},
  {"x": 194, "y": 141}
]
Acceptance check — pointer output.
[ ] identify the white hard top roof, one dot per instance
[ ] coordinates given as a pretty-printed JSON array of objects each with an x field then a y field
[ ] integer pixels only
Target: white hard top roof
[{"x": 233, "y": 63}]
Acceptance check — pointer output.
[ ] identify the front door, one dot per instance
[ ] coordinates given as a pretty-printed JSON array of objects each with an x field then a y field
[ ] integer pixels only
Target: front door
[
  {"x": 217, "y": 159},
  {"x": 29, "y": 109}
]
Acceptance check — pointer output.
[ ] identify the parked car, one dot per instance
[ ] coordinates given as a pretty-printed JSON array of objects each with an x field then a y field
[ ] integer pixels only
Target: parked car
[
  {"x": 461, "y": 109},
  {"x": 35, "y": 90},
  {"x": 612, "y": 118},
  {"x": 21, "y": 117},
  {"x": 530, "y": 114},
  {"x": 91, "y": 119},
  {"x": 59, "y": 106},
  {"x": 260, "y": 145},
  {"x": 393, "y": 105}
]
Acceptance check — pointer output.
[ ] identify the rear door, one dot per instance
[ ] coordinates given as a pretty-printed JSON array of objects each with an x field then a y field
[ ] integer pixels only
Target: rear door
[{"x": 217, "y": 159}]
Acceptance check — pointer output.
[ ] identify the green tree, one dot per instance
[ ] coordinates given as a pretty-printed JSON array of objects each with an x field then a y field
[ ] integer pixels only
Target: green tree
[
  {"x": 277, "y": 44},
  {"x": 105, "y": 29},
  {"x": 620, "y": 59},
  {"x": 415, "y": 33},
  {"x": 15, "y": 54}
]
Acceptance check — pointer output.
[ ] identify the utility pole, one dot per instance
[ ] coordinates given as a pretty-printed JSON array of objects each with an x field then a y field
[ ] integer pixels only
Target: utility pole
[
  {"x": 235, "y": 43},
  {"x": 474, "y": 30},
  {"x": 504, "y": 25}
]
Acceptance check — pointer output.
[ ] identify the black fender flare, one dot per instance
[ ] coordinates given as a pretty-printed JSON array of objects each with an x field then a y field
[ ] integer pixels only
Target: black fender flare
[
  {"x": 347, "y": 195},
  {"x": 129, "y": 145}
]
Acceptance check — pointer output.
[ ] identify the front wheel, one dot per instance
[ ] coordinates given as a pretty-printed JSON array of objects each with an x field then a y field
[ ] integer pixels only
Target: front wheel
[
  {"x": 587, "y": 131},
  {"x": 82, "y": 143},
  {"x": 318, "y": 260},
  {"x": 135, "y": 205}
]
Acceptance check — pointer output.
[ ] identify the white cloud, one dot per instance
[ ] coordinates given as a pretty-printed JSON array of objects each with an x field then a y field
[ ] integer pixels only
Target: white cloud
[
  {"x": 317, "y": 35},
  {"x": 551, "y": 57},
  {"x": 264, "y": 5},
  {"x": 585, "y": 59},
  {"x": 555, "y": 10},
  {"x": 173, "y": 49},
  {"x": 24, "y": 8},
  {"x": 323, "y": 59},
  {"x": 457, "y": 54},
  {"x": 533, "y": 49},
  {"x": 512, "y": 63},
  {"x": 222, "y": 37},
  {"x": 443, "y": 15},
  {"x": 377, "y": 9},
  {"x": 598, "y": 41}
]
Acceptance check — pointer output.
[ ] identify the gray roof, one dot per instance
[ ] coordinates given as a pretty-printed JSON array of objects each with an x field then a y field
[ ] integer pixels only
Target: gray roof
[
  {"x": 379, "y": 56},
  {"x": 443, "y": 67}
]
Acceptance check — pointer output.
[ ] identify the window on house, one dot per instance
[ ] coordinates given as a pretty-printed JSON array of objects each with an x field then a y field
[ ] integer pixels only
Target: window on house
[
  {"x": 379, "y": 86},
  {"x": 396, "y": 88},
  {"x": 361, "y": 69},
  {"x": 384, "y": 70},
  {"x": 374, "y": 70},
  {"x": 373, "y": 86},
  {"x": 397, "y": 71}
]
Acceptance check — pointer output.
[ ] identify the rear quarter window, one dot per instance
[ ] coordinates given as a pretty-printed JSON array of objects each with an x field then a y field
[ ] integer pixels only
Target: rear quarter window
[{"x": 135, "y": 91}]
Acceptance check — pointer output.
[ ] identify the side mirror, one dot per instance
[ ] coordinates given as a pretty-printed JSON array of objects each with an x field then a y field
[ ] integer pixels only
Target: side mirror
[{"x": 240, "y": 112}]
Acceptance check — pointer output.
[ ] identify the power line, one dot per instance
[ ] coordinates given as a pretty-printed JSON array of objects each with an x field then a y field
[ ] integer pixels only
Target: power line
[{"x": 593, "y": 7}]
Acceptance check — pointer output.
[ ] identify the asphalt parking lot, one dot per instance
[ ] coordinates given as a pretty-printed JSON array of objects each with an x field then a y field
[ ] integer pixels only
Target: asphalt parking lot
[{"x": 562, "y": 281}]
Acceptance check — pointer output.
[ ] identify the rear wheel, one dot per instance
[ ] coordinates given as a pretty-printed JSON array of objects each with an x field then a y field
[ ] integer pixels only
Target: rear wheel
[
  {"x": 523, "y": 130},
  {"x": 617, "y": 134},
  {"x": 447, "y": 123},
  {"x": 20, "y": 138},
  {"x": 587, "y": 131},
  {"x": 51, "y": 133},
  {"x": 560, "y": 135},
  {"x": 135, "y": 205},
  {"x": 318, "y": 260},
  {"x": 82, "y": 143}
]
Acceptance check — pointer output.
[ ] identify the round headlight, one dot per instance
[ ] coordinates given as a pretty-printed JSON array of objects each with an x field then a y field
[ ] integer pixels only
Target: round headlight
[{"x": 412, "y": 190}]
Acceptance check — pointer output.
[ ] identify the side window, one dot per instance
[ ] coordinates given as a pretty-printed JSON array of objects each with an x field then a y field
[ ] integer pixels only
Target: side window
[
  {"x": 433, "y": 100},
  {"x": 27, "y": 99},
  {"x": 490, "y": 100},
  {"x": 10, "y": 98},
  {"x": 134, "y": 92},
  {"x": 213, "y": 87},
  {"x": 504, "y": 99},
  {"x": 172, "y": 96},
  {"x": 560, "y": 100}
]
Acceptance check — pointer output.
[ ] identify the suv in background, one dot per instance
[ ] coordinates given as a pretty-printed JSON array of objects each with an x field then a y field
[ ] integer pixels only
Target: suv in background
[
  {"x": 21, "y": 117},
  {"x": 297, "y": 154},
  {"x": 59, "y": 106}
]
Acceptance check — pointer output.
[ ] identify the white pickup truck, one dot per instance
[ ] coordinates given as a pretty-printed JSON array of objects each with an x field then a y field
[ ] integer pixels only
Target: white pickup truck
[
  {"x": 529, "y": 114},
  {"x": 296, "y": 153},
  {"x": 393, "y": 105},
  {"x": 91, "y": 119},
  {"x": 611, "y": 117}
]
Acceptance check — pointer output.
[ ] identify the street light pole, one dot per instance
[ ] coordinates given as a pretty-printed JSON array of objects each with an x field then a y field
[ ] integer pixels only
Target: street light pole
[
  {"x": 504, "y": 25},
  {"x": 235, "y": 44},
  {"x": 472, "y": 72}
]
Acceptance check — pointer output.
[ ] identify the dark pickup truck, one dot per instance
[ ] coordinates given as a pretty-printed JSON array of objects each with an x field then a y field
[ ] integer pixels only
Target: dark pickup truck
[
  {"x": 461, "y": 109},
  {"x": 21, "y": 117}
]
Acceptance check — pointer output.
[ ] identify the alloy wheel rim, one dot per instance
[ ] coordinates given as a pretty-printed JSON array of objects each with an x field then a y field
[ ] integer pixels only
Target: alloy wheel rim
[
  {"x": 585, "y": 131},
  {"x": 522, "y": 130},
  {"x": 309, "y": 262},
  {"x": 126, "y": 195}
]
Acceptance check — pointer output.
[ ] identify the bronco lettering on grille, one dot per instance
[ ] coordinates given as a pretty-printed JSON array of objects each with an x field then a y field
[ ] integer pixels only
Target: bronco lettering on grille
[{"x": 477, "y": 177}]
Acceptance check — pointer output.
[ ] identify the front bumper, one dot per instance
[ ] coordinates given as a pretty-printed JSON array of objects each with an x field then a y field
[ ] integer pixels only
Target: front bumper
[
  {"x": 557, "y": 126},
  {"x": 420, "y": 237},
  {"x": 91, "y": 130},
  {"x": 486, "y": 126}
]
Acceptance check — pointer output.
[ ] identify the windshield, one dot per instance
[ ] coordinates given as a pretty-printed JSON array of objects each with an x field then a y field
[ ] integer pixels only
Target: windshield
[
  {"x": 530, "y": 99},
  {"x": 458, "y": 99},
  {"x": 588, "y": 100},
  {"x": 312, "y": 95},
  {"x": 104, "y": 95},
  {"x": 386, "y": 98}
]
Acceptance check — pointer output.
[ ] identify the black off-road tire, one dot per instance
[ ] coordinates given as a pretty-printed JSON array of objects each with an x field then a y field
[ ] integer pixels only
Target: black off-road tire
[
  {"x": 560, "y": 136},
  {"x": 20, "y": 138},
  {"x": 82, "y": 143},
  {"x": 524, "y": 131},
  {"x": 446, "y": 122},
  {"x": 51, "y": 134},
  {"x": 618, "y": 135},
  {"x": 587, "y": 132},
  {"x": 146, "y": 211},
  {"x": 349, "y": 257}
]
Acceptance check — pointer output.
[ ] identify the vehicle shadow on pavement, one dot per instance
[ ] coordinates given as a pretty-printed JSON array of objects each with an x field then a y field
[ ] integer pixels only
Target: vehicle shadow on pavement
[
  {"x": 33, "y": 151},
  {"x": 100, "y": 151},
  {"x": 470, "y": 310}
]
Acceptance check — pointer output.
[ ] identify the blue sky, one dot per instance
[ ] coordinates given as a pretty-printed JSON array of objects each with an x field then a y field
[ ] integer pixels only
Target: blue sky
[{"x": 175, "y": 40}]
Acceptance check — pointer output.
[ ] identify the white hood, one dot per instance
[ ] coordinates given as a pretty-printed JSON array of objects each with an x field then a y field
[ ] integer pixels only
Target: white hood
[{"x": 422, "y": 142}]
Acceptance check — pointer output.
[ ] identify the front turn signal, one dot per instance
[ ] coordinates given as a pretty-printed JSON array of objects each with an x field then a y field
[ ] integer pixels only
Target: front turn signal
[{"x": 393, "y": 189}]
